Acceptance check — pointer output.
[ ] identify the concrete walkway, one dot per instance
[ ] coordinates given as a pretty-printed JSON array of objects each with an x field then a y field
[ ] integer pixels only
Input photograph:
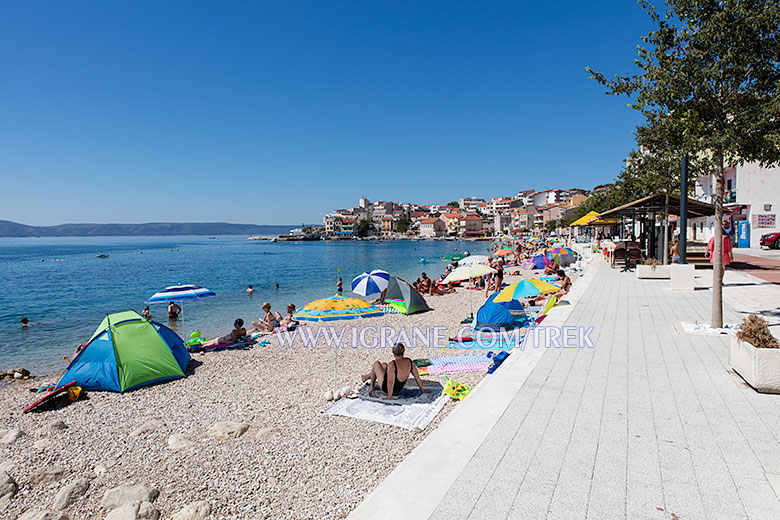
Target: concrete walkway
[{"x": 648, "y": 424}]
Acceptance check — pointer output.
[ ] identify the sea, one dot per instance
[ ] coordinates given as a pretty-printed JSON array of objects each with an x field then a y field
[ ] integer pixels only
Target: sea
[{"x": 65, "y": 290}]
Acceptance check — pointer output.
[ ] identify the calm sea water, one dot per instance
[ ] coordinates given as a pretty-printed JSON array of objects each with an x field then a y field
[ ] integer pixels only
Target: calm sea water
[{"x": 66, "y": 300}]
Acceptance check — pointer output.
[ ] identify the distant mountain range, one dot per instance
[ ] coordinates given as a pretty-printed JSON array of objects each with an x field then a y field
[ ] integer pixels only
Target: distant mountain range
[{"x": 14, "y": 229}]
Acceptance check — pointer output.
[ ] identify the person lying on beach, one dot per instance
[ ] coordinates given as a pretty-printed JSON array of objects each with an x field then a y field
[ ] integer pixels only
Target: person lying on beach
[
  {"x": 173, "y": 311},
  {"x": 397, "y": 372},
  {"x": 552, "y": 268},
  {"x": 233, "y": 336},
  {"x": 565, "y": 282},
  {"x": 268, "y": 322}
]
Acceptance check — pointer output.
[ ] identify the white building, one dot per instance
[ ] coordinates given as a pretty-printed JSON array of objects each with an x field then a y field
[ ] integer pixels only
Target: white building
[
  {"x": 542, "y": 198},
  {"x": 502, "y": 222},
  {"x": 432, "y": 227},
  {"x": 470, "y": 203},
  {"x": 752, "y": 194}
]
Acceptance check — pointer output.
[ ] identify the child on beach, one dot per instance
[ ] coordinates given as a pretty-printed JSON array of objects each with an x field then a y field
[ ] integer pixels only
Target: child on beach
[
  {"x": 675, "y": 251},
  {"x": 146, "y": 313},
  {"x": 339, "y": 286}
]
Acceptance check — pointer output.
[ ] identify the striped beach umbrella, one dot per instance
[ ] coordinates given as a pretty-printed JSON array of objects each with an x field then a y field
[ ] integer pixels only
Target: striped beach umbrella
[
  {"x": 336, "y": 308},
  {"x": 525, "y": 288},
  {"x": 180, "y": 292},
  {"x": 371, "y": 283}
]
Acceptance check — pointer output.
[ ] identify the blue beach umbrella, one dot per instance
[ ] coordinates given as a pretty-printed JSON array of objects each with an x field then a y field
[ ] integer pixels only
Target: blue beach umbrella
[
  {"x": 180, "y": 292},
  {"x": 374, "y": 282}
]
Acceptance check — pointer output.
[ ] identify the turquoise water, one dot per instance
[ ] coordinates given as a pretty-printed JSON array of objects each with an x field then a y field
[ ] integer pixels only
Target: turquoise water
[{"x": 65, "y": 301}]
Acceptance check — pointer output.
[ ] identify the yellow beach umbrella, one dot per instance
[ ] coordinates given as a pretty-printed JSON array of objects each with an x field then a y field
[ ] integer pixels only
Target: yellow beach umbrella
[
  {"x": 525, "y": 288},
  {"x": 585, "y": 219}
]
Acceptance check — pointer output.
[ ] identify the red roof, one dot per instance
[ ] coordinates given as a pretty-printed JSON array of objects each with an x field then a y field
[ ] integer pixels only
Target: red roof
[
  {"x": 418, "y": 213},
  {"x": 428, "y": 220}
]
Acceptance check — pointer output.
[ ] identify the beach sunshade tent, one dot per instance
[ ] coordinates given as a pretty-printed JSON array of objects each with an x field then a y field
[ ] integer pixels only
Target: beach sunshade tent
[
  {"x": 402, "y": 297},
  {"x": 494, "y": 317},
  {"x": 371, "y": 283},
  {"x": 473, "y": 259},
  {"x": 126, "y": 352},
  {"x": 523, "y": 289},
  {"x": 510, "y": 305}
]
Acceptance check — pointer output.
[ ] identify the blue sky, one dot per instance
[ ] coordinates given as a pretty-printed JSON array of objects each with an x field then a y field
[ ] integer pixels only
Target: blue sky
[{"x": 276, "y": 112}]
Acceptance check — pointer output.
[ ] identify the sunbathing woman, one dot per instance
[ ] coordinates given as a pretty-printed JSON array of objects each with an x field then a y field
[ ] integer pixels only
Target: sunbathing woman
[
  {"x": 397, "y": 372},
  {"x": 233, "y": 336},
  {"x": 268, "y": 322}
]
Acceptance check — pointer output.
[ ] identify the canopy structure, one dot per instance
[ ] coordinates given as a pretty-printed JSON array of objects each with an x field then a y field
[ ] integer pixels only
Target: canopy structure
[
  {"x": 494, "y": 317},
  {"x": 402, "y": 297},
  {"x": 126, "y": 352},
  {"x": 657, "y": 203},
  {"x": 585, "y": 219}
]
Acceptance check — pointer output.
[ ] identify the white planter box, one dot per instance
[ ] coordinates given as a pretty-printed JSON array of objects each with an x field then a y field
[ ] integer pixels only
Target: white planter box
[
  {"x": 682, "y": 277},
  {"x": 661, "y": 272},
  {"x": 760, "y": 367}
]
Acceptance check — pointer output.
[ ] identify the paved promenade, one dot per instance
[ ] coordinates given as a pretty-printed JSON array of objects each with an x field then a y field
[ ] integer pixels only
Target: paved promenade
[{"x": 648, "y": 424}]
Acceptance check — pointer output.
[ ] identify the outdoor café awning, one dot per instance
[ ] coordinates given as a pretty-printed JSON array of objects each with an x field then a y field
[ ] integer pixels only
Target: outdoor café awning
[{"x": 656, "y": 204}]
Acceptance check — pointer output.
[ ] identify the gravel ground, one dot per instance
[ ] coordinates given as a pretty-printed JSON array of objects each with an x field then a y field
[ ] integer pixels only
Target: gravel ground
[{"x": 309, "y": 465}]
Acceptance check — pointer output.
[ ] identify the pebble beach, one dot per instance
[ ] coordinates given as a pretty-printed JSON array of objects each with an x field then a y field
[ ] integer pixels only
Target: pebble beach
[{"x": 243, "y": 436}]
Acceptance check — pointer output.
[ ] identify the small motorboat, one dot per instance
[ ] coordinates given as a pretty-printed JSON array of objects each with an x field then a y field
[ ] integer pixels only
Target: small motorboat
[{"x": 102, "y": 255}]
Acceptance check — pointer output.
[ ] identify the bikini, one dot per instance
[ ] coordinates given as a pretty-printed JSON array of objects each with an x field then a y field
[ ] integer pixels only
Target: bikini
[{"x": 397, "y": 385}]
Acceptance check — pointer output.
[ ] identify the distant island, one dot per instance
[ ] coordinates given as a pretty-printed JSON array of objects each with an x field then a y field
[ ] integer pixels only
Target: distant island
[{"x": 14, "y": 229}]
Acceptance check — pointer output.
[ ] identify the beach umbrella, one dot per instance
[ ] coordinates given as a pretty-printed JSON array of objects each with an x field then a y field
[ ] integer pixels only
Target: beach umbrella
[
  {"x": 503, "y": 252},
  {"x": 473, "y": 259},
  {"x": 336, "y": 308},
  {"x": 179, "y": 293},
  {"x": 454, "y": 257},
  {"x": 467, "y": 272},
  {"x": 523, "y": 289},
  {"x": 371, "y": 283}
]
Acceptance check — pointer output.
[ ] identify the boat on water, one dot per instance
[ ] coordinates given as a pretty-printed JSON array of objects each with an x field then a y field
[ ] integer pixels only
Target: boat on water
[
  {"x": 102, "y": 255},
  {"x": 299, "y": 234}
]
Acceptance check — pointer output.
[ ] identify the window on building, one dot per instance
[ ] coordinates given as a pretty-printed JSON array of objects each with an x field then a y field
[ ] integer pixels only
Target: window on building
[{"x": 728, "y": 185}]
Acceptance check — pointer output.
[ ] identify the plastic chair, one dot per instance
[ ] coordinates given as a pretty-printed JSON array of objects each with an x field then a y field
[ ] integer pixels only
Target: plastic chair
[{"x": 618, "y": 254}]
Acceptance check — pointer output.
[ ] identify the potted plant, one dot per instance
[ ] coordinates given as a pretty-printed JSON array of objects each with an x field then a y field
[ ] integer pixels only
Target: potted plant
[
  {"x": 755, "y": 355},
  {"x": 653, "y": 269}
]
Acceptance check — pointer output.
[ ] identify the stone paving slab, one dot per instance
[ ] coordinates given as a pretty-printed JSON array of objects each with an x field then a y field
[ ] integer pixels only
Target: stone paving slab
[{"x": 648, "y": 424}]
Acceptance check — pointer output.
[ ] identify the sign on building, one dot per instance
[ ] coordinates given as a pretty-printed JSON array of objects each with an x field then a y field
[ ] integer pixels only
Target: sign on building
[{"x": 766, "y": 220}]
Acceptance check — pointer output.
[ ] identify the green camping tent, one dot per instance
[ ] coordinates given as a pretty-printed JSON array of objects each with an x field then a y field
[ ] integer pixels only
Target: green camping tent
[
  {"x": 125, "y": 352},
  {"x": 403, "y": 298}
]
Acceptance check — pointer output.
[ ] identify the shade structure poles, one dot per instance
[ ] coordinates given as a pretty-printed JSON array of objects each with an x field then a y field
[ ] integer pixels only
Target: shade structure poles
[
  {"x": 684, "y": 210},
  {"x": 666, "y": 230}
]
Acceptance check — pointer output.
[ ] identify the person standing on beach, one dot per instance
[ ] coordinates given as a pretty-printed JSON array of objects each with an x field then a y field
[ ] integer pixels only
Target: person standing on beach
[
  {"x": 675, "y": 251},
  {"x": 339, "y": 286}
]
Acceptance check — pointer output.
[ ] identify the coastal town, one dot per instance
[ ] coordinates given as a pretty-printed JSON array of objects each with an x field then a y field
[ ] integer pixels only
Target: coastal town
[{"x": 469, "y": 217}]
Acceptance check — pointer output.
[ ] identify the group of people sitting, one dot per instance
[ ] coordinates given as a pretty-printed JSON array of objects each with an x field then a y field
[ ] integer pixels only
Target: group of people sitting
[
  {"x": 425, "y": 285},
  {"x": 266, "y": 324}
]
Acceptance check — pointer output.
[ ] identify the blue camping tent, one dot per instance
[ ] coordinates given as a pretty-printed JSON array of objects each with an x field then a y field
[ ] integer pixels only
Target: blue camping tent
[
  {"x": 494, "y": 316},
  {"x": 125, "y": 352}
]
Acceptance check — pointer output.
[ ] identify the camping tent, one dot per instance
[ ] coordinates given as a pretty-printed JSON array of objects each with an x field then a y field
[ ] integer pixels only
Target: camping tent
[
  {"x": 125, "y": 352},
  {"x": 403, "y": 298},
  {"x": 494, "y": 316}
]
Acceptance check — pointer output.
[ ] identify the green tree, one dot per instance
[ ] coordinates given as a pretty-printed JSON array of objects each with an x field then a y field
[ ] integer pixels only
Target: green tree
[
  {"x": 709, "y": 73},
  {"x": 402, "y": 225},
  {"x": 453, "y": 204},
  {"x": 363, "y": 228}
]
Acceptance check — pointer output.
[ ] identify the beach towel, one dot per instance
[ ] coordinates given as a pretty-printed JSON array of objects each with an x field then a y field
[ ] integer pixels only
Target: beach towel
[
  {"x": 407, "y": 416},
  {"x": 409, "y": 394}
]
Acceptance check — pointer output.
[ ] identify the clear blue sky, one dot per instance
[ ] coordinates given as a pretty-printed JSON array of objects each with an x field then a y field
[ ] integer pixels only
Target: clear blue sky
[{"x": 276, "y": 112}]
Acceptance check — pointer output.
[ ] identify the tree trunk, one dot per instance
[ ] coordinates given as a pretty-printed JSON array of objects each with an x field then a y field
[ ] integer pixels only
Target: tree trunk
[{"x": 717, "y": 252}]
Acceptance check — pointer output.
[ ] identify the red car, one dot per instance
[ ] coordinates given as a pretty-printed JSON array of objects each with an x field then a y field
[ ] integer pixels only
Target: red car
[{"x": 771, "y": 240}]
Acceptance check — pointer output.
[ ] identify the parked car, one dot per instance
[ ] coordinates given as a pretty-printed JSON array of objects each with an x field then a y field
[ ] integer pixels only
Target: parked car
[{"x": 771, "y": 240}]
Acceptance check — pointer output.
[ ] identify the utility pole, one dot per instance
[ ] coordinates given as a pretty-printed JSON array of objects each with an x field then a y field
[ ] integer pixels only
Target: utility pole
[{"x": 684, "y": 209}]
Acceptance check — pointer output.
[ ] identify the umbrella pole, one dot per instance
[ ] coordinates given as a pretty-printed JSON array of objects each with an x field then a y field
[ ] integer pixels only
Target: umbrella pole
[{"x": 335, "y": 366}]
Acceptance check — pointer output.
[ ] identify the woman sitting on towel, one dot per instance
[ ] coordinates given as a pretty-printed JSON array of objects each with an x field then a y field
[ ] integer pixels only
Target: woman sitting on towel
[
  {"x": 233, "y": 336},
  {"x": 268, "y": 322},
  {"x": 392, "y": 376}
]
